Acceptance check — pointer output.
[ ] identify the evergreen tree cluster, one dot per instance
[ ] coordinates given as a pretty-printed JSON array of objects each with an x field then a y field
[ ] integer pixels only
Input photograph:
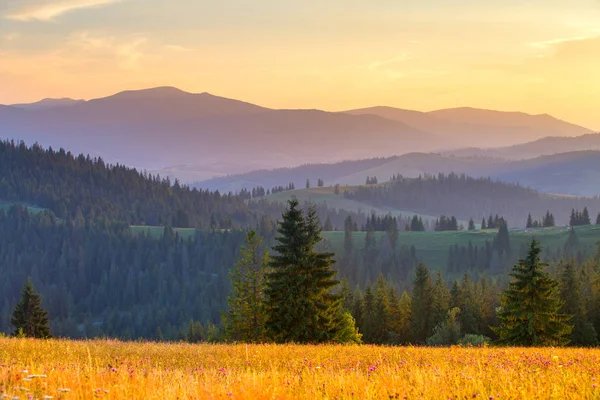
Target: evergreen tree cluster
[
  {"x": 101, "y": 279},
  {"x": 546, "y": 222},
  {"x": 446, "y": 224},
  {"x": 416, "y": 224},
  {"x": 580, "y": 218},
  {"x": 292, "y": 299},
  {"x": 82, "y": 188},
  {"x": 278, "y": 189},
  {"x": 371, "y": 180},
  {"x": 536, "y": 309}
]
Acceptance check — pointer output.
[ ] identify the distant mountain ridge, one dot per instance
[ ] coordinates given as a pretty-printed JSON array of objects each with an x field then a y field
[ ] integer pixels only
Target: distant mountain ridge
[
  {"x": 545, "y": 146},
  {"x": 500, "y": 128},
  {"x": 48, "y": 103},
  {"x": 162, "y": 127}
]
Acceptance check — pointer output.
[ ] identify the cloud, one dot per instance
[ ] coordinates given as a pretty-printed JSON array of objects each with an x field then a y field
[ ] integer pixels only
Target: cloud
[
  {"x": 398, "y": 59},
  {"x": 559, "y": 41},
  {"x": 47, "y": 10},
  {"x": 126, "y": 51}
]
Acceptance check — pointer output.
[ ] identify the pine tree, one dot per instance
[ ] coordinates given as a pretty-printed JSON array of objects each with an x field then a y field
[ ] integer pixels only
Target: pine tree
[
  {"x": 584, "y": 333},
  {"x": 422, "y": 304},
  {"x": 29, "y": 318},
  {"x": 530, "y": 308},
  {"x": 529, "y": 224},
  {"x": 585, "y": 217},
  {"x": 348, "y": 228},
  {"x": 598, "y": 219},
  {"x": 471, "y": 226},
  {"x": 300, "y": 307},
  {"x": 483, "y": 224},
  {"x": 245, "y": 320},
  {"x": 328, "y": 227}
]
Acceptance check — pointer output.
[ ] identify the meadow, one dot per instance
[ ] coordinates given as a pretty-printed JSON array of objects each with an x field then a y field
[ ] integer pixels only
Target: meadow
[
  {"x": 63, "y": 369},
  {"x": 432, "y": 247}
]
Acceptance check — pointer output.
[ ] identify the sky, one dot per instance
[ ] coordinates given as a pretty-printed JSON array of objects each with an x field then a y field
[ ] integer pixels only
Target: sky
[{"x": 532, "y": 56}]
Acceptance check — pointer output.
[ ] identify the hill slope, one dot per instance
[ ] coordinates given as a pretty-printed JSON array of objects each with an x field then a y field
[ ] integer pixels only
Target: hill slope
[{"x": 574, "y": 173}]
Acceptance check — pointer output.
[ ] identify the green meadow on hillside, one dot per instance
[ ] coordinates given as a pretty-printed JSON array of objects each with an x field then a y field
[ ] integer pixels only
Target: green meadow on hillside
[{"x": 432, "y": 247}]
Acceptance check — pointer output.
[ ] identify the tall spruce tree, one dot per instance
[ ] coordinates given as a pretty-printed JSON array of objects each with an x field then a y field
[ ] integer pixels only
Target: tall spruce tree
[
  {"x": 245, "y": 320},
  {"x": 422, "y": 304},
  {"x": 598, "y": 219},
  {"x": 299, "y": 302},
  {"x": 530, "y": 314},
  {"x": 584, "y": 333},
  {"x": 29, "y": 318}
]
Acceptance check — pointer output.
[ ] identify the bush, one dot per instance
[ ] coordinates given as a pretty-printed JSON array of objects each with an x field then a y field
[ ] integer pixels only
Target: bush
[{"x": 474, "y": 340}]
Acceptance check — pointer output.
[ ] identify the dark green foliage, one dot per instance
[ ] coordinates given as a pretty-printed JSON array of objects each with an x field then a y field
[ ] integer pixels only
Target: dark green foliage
[
  {"x": 598, "y": 219},
  {"x": 448, "y": 331},
  {"x": 78, "y": 186},
  {"x": 29, "y": 318},
  {"x": 300, "y": 305},
  {"x": 245, "y": 319},
  {"x": 531, "y": 309},
  {"x": 583, "y": 333},
  {"x": 422, "y": 305},
  {"x": 100, "y": 279}
]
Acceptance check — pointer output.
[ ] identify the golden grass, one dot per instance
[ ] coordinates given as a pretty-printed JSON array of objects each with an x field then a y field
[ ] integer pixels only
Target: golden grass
[{"x": 117, "y": 370}]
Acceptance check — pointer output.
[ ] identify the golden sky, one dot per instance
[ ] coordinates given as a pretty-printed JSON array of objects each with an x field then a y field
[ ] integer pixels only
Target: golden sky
[{"x": 532, "y": 56}]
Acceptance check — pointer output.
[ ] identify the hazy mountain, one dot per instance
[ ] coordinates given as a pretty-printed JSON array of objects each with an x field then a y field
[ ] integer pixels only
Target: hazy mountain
[
  {"x": 48, "y": 103},
  {"x": 544, "y": 146},
  {"x": 161, "y": 127},
  {"x": 575, "y": 173},
  {"x": 198, "y": 136},
  {"x": 476, "y": 127}
]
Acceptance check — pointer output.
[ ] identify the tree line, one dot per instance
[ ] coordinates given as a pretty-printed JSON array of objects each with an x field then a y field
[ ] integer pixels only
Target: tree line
[{"x": 466, "y": 197}]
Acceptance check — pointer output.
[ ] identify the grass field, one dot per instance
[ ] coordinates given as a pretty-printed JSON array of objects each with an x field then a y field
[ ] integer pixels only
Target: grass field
[
  {"x": 115, "y": 370},
  {"x": 432, "y": 247}
]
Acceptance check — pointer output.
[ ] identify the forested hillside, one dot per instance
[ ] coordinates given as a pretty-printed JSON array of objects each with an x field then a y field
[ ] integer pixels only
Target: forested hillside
[
  {"x": 100, "y": 279},
  {"x": 466, "y": 197}
]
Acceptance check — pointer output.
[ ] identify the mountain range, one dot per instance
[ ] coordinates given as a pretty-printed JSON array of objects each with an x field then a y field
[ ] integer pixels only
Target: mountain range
[{"x": 198, "y": 136}]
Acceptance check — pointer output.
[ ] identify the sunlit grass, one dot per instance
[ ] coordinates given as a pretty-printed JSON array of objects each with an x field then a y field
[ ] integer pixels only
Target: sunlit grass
[{"x": 116, "y": 370}]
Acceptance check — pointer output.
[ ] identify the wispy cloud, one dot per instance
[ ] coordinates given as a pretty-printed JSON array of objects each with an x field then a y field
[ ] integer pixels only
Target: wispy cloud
[
  {"x": 559, "y": 41},
  {"x": 394, "y": 60},
  {"x": 48, "y": 10},
  {"x": 126, "y": 51}
]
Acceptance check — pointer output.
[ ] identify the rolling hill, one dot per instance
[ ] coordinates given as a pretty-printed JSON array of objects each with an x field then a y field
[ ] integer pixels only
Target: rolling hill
[
  {"x": 574, "y": 173},
  {"x": 460, "y": 196}
]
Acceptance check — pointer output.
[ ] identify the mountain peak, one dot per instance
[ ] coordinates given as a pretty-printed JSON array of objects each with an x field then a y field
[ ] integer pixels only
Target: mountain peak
[{"x": 48, "y": 103}]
